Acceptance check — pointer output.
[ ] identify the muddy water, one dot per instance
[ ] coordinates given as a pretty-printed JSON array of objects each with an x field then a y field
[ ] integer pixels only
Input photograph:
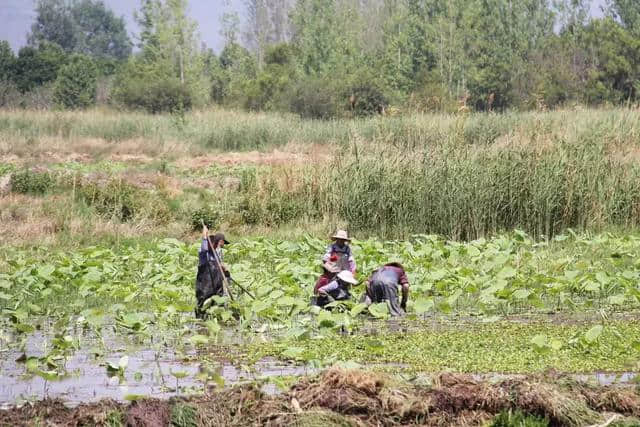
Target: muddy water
[
  {"x": 149, "y": 372},
  {"x": 151, "y": 367},
  {"x": 145, "y": 375}
]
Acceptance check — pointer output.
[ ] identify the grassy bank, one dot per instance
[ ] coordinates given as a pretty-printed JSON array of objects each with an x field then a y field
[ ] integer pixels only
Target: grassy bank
[{"x": 462, "y": 177}]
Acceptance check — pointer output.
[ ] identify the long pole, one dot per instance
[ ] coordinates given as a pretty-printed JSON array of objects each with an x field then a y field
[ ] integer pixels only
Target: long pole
[{"x": 243, "y": 288}]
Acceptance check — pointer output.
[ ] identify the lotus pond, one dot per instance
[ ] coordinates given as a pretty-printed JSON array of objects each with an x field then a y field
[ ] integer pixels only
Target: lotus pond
[{"x": 118, "y": 321}]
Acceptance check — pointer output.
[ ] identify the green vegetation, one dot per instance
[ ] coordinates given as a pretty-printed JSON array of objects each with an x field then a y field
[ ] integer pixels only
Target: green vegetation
[
  {"x": 183, "y": 415},
  {"x": 148, "y": 288},
  {"x": 31, "y": 182},
  {"x": 75, "y": 86},
  {"x": 517, "y": 230},
  {"x": 114, "y": 419},
  {"x": 518, "y": 419},
  {"x": 463, "y": 177},
  {"x": 86, "y": 26},
  {"x": 476, "y": 347},
  {"x": 328, "y": 59}
]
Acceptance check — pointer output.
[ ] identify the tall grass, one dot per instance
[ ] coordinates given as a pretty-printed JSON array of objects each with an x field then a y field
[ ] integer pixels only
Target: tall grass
[
  {"x": 237, "y": 131},
  {"x": 459, "y": 176},
  {"x": 542, "y": 173},
  {"x": 463, "y": 193}
]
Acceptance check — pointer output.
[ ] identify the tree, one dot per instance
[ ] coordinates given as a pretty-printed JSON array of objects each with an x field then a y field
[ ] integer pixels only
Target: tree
[
  {"x": 501, "y": 36},
  {"x": 76, "y": 83},
  {"x": 54, "y": 24},
  {"x": 326, "y": 35},
  {"x": 266, "y": 24},
  {"x": 490, "y": 54},
  {"x": 615, "y": 76},
  {"x": 170, "y": 52},
  {"x": 38, "y": 66},
  {"x": 7, "y": 61},
  {"x": 238, "y": 69},
  {"x": 100, "y": 33},
  {"x": 628, "y": 12},
  {"x": 268, "y": 90},
  {"x": 81, "y": 26},
  {"x": 259, "y": 28},
  {"x": 406, "y": 49}
]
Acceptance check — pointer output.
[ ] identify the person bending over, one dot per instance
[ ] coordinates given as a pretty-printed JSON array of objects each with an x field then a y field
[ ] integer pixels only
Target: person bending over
[{"x": 383, "y": 286}]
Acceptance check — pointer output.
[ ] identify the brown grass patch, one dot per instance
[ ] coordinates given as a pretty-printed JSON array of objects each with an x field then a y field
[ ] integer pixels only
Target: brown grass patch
[
  {"x": 55, "y": 413},
  {"x": 291, "y": 154},
  {"x": 56, "y": 149},
  {"x": 148, "y": 413},
  {"x": 374, "y": 399},
  {"x": 611, "y": 399}
]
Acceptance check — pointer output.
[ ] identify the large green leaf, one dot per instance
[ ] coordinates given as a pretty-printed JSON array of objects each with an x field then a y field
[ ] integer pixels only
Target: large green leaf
[{"x": 593, "y": 334}]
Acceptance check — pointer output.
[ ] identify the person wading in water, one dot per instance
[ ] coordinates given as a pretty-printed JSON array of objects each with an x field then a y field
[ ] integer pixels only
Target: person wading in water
[
  {"x": 336, "y": 290},
  {"x": 329, "y": 271},
  {"x": 383, "y": 286},
  {"x": 210, "y": 279},
  {"x": 340, "y": 252}
]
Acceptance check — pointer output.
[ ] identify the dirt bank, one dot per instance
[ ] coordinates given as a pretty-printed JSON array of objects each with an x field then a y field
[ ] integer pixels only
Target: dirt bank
[{"x": 357, "y": 398}]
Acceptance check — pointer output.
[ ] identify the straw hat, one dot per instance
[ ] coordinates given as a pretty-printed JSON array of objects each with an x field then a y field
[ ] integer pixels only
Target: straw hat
[
  {"x": 341, "y": 234},
  {"x": 331, "y": 267},
  {"x": 347, "y": 276}
]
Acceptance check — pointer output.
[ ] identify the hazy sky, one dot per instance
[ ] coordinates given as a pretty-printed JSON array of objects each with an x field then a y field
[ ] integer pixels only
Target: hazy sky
[{"x": 16, "y": 17}]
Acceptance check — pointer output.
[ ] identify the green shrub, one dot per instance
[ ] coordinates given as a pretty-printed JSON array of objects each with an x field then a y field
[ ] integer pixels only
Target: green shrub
[
  {"x": 366, "y": 99},
  {"x": 10, "y": 96},
  {"x": 76, "y": 84},
  {"x": 155, "y": 95},
  {"x": 518, "y": 419},
  {"x": 486, "y": 128},
  {"x": 267, "y": 204},
  {"x": 124, "y": 202},
  {"x": 37, "y": 66},
  {"x": 314, "y": 98},
  {"x": 184, "y": 416},
  {"x": 114, "y": 419},
  {"x": 31, "y": 182},
  {"x": 5, "y": 168},
  {"x": 207, "y": 214}
]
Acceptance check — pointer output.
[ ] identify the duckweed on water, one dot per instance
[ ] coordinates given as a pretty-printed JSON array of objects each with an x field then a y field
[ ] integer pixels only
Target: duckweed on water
[{"x": 498, "y": 347}]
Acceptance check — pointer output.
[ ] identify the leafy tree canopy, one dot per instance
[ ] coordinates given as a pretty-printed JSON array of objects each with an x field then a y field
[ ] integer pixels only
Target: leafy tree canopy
[{"x": 82, "y": 26}]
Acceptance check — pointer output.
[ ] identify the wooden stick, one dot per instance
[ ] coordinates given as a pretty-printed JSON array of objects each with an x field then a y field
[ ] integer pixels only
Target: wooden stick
[{"x": 242, "y": 288}]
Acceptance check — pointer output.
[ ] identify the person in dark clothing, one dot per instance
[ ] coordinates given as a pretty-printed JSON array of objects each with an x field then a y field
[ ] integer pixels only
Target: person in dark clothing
[
  {"x": 383, "y": 286},
  {"x": 209, "y": 279},
  {"x": 336, "y": 290}
]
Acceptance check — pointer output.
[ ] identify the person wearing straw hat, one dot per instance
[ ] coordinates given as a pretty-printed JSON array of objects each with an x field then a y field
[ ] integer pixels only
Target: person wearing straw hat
[
  {"x": 383, "y": 286},
  {"x": 338, "y": 289},
  {"x": 341, "y": 251}
]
